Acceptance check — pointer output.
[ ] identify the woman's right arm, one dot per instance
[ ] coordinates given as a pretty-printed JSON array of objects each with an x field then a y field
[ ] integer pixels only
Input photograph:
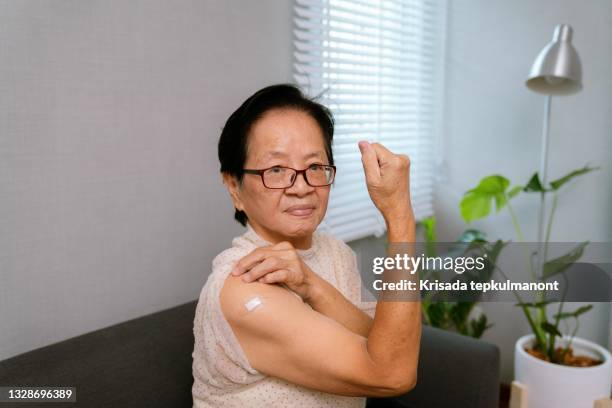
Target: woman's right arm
[
  {"x": 396, "y": 331},
  {"x": 285, "y": 338}
]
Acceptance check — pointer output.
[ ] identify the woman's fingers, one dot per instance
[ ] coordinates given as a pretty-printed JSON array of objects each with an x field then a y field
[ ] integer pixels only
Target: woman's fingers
[
  {"x": 272, "y": 264},
  {"x": 275, "y": 277},
  {"x": 266, "y": 266},
  {"x": 382, "y": 153},
  {"x": 249, "y": 261},
  {"x": 370, "y": 162},
  {"x": 283, "y": 250}
]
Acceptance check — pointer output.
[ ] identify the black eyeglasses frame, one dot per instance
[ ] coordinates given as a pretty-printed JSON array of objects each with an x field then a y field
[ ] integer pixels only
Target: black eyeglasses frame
[{"x": 260, "y": 173}]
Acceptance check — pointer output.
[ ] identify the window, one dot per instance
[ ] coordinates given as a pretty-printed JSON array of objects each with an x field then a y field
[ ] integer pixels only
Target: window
[{"x": 378, "y": 66}]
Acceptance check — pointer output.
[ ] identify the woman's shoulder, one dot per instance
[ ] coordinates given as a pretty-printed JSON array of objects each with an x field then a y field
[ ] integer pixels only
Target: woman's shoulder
[
  {"x": 222, "y": 265},
  {"x": 241, "y": 246},
  {"x": 228, "y": 257}
]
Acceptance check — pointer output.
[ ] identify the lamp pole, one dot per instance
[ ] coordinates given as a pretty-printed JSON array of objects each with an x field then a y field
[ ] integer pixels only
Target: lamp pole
[
  {"x": 555, "y": 71},
  {"x": 543, "y": 173}
]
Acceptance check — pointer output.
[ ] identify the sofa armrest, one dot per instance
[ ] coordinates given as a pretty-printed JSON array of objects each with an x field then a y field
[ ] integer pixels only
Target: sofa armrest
[{"x": 454, "y": 371}]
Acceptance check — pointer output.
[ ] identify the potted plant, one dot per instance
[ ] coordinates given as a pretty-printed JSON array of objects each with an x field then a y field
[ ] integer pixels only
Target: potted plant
[
  {"x": 464, "y": 317},
  {"x": 558, "y": 370}
]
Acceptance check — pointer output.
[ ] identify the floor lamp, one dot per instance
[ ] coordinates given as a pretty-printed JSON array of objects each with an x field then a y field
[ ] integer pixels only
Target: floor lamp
[{"x": 555, "y": 71}]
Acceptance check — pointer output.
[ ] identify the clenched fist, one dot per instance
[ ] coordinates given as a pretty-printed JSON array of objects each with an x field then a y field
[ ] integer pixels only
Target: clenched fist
[{"x": 388, "y": 180}]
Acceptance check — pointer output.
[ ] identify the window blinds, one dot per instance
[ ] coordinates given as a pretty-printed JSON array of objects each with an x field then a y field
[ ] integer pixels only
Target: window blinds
[{"x": 378, "y": 66}]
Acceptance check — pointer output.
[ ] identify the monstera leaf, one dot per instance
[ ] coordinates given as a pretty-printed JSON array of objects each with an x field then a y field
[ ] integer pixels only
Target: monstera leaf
[
  {"x": 575, "y": 313},
  {"x": 560, "y": 264},
  {"x": 561, "y": 181},
  {"x": 535, "y": 185},
  {"x": 476, "y": 203}
]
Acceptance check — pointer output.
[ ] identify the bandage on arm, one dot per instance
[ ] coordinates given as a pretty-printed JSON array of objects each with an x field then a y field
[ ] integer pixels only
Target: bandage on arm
[{"x": 253, "y": 303}]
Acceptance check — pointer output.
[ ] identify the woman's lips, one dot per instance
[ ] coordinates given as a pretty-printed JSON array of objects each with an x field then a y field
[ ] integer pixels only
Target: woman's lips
[{"x": 300, "y": 210}]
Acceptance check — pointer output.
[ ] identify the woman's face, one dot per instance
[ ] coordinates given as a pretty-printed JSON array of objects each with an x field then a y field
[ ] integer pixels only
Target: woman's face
[{"x": 289, "y": 138}]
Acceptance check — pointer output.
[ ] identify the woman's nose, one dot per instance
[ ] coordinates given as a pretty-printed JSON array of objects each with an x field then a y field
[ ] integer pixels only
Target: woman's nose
[{"x": 300, "y": 186}]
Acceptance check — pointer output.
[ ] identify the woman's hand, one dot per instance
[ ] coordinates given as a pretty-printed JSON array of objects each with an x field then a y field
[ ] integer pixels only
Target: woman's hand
[
  {"x": 387, "y": 177},
  {"x": 278, "y": 263}
]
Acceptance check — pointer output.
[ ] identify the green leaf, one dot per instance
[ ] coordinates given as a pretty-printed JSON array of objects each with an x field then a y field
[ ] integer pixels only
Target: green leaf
[
  {"x": 515, "y": 190},
  {"x": 497, "y": 247},
  {"x": 560, "y": 264},
  {"x": 476, "y": 203},
  {"x": 494, "y": 184},
  {"x": 429, "y": 224},
  {"x": 551, "y": 329},
  {"x": 471, "y": 235},
  {"x": 500, "y": 201},
  {"x": 561, "y": 181},
  {"x": 460, "y": 311},
  {"x": 490, "y": 252},
  {"x": 582, "y": 310},
  {"x": 474, "y": 206},
  {"x": 438, "y": 314},
  {"x": 479, "y": 326},
  {"x": 575, "y": 313},
  {"x": 534, "y": 185},
  {"x": 536, "y": 305}
]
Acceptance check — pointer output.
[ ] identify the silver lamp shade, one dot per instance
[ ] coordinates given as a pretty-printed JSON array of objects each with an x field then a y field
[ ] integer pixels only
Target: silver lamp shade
[{"x": 557, "y": 69}]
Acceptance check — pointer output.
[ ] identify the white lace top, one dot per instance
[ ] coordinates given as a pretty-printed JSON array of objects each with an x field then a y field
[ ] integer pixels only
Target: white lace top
[{"x": 222, "y": 374}]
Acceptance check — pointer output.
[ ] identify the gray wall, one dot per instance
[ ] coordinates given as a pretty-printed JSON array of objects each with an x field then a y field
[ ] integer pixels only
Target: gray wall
[
  {"x": 493, "y": 125},
  {"x": 110, "y": 201}
]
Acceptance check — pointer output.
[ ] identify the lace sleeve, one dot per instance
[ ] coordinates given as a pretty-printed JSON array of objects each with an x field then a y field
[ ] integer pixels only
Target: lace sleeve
[{"x": 222, "y": 359}]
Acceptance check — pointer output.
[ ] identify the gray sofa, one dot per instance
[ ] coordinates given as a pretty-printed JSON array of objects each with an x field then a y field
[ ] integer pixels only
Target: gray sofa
[{"x": 146, "y": 362}]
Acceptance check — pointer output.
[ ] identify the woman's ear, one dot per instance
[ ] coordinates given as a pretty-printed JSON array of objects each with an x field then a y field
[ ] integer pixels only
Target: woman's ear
[{"x": 233, "y": 187}]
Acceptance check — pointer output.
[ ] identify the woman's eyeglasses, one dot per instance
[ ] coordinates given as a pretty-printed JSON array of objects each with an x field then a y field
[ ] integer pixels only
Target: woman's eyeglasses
[{"x": 316, "y": 175}]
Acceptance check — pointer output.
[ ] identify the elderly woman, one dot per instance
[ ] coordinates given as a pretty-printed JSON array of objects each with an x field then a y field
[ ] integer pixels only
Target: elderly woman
[{"x": 280, "y": 321}]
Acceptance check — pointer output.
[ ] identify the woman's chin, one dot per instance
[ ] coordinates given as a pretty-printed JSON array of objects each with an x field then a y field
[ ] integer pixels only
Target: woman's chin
[{"x": 301, "y": 226}]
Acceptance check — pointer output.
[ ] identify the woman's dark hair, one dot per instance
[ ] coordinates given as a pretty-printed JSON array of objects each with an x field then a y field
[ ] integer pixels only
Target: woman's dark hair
[{"x": 234, "y": 137}]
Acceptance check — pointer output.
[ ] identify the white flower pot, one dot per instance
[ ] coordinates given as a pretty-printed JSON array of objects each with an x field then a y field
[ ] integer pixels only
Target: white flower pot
[{"x": 554, "y": 386}]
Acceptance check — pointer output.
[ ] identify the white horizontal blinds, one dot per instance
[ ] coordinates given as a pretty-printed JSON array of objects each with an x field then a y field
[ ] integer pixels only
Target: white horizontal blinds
[{"x": 376, "y": 64}]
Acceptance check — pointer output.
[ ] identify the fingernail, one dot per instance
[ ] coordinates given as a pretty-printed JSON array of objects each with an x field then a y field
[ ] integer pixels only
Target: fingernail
[
  {"x": 246, "y": 278},
  {"x": 363, "y": 145}
]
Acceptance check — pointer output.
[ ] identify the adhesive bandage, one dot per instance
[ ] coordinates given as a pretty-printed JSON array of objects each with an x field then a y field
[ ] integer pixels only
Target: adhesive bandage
[{"x": 253, "y": 303}]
